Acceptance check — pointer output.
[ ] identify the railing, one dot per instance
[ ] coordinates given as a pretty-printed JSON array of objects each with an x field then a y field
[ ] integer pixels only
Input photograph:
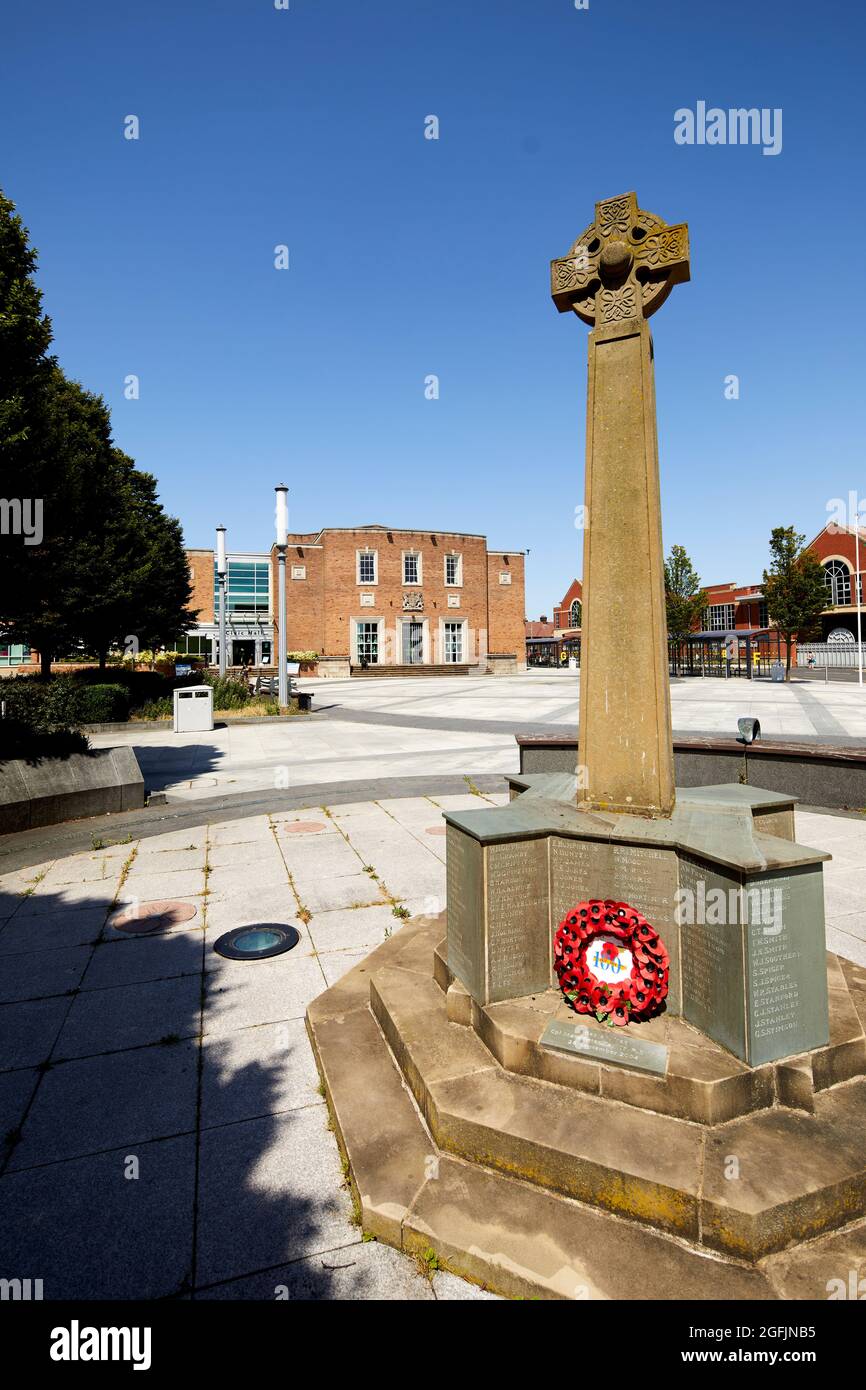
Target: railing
[{"x": 829, "y": 654}]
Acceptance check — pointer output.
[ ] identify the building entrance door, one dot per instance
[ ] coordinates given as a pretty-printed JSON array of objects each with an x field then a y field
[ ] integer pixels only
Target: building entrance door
[
  {"x": 413, "y": 644},
  {"x": 242, "y": 651}
]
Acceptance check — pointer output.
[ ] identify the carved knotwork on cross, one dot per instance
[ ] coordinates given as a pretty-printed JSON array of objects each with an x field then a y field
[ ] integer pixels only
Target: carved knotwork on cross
[{"x": 623, "y": 266}]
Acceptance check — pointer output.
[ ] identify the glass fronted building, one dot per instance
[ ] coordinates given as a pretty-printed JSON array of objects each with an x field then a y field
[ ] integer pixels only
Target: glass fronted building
[{"x": 249, "y": 626}]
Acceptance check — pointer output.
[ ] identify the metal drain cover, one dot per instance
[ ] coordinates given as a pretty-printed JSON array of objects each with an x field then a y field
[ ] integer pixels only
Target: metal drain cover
[
  {"x": 257, "y": 942},
  {"x": 139, "y": 918}
]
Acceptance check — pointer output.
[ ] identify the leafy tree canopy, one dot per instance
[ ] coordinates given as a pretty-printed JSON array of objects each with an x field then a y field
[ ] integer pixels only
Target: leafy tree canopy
[{"x": 685, "y": 600}]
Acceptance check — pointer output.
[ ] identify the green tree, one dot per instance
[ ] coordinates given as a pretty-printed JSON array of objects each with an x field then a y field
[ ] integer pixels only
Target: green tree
[
  {"x": 794, "y": 587},
  {"x": 25, "y": 336},
  {"x": 685, "y": 600},
  {"x": 107, "y": 562},
  {"x": 61, "y": 465},
  {"x": 138, "y": 572}
]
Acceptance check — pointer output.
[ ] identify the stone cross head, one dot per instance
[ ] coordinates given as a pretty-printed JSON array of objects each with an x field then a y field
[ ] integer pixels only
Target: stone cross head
[{"x": 623, "y": 266}]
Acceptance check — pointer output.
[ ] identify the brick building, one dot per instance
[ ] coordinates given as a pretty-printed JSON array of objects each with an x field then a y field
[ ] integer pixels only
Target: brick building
[
  {"x": 567, "y": 613},
  {"x": 369, "y": 596}
]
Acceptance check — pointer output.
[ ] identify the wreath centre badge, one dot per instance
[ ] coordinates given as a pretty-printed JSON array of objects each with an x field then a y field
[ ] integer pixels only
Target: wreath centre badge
[{"x": 611, "y": 962}]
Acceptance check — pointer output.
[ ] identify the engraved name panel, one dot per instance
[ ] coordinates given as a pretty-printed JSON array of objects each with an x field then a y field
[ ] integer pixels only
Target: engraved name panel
[
  {"x": 711, "y": 947},
  {"x": 517, "y": 913},
  {"x": 463, "y": 872},
  {"x": 787, "y": 972},
  {"x": 643, "y": 876}
]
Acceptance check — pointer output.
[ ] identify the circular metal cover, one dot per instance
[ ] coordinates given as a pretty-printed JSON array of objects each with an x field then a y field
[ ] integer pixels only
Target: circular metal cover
[
  {"x": 139, "y": 918},
  {"x": 257, "y": 942}
]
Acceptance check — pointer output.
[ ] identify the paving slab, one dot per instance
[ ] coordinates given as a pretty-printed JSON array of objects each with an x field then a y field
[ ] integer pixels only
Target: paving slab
[
  {"x": 366, "y": 1270},
  {"x": 89, "y": 1231},
  {"x": 28, "y": 1031},
  {"x": 353, "y": 929},
  {"x": 107, "y": 1020},
  {"x": 257, "y": 1071},
  {"x": 245, "y": 855},
  {"x": 240, "y": 994},
  {"x": 66, "y": 897},
  {"x": 98, "y": 866},
  {"x": 102, "y": 1102},
  {"x": 193, "y": 838},
  {"x": 131, "y": 960},
  {"x": 269, "y": 1191},
  {"x": 16, "y": 1089},
  {"x": 36, "y": 974},
  {"x": 170, "y": 861},
  {"x": 181, "y": 883},
  {"x": 52, "y": 931},
  {"x": 451, "y": 1289},
  {"x": 243, "y": 908},
  {"x": 240, "y": 831},
  {"x": 327, "y": 893},
  {"x": 336, "y": 964}
]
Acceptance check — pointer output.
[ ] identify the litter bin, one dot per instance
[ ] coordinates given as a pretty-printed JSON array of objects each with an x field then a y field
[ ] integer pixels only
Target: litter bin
[
  {"x": 193, "y": 709},
  {"x": 777, "y": 671}
]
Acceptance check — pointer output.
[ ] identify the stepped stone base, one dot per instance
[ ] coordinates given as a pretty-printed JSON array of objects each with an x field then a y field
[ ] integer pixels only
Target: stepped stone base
[{"x": 591, "y": 1180}]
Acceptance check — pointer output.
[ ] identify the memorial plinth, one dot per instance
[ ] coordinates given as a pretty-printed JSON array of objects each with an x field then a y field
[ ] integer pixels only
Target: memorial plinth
[
  {"x": 633, "y": 987},
  {"x": 740, "y": 910}
]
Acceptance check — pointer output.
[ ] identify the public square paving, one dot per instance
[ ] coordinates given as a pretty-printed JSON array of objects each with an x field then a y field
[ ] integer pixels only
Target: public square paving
[
  {"x": 165, "y": 1133},
  {"x": 168, "y": 1131},
  {"x": 368, "y": 729},
  {"x": 168, "y": 1134}
]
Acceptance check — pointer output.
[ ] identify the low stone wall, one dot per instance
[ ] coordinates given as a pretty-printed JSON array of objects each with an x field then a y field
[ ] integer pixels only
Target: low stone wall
[
  {"x": 501, "y": 664},
  {"x": 335, "y": 668},
  {"x": 50, "y": 790},
  {"x": 816, "y": 774}
]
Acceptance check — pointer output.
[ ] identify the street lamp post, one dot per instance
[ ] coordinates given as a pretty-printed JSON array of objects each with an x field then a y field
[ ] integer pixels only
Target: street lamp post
[
  {"x": 859, "y": 596},
  {"x": 221, "y": 578},
  {"x": 282, "y": 523}
]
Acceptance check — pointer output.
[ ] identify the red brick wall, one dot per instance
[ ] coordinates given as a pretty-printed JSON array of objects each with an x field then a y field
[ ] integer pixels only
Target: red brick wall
[
  {"x": 343, "y": 592},
  {"x": 506, "y": 605},
  {"x": 322, "y": 606},
  {"x": 201, "y": 575},
  {"x": 562, "y": 611},
  {"x": 304, "y": 597}
]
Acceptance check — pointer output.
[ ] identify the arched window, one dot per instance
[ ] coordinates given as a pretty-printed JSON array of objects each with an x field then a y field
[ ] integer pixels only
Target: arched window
[
  {"x": 574, "y": 614},
  {"x": 837, "y": 577}
]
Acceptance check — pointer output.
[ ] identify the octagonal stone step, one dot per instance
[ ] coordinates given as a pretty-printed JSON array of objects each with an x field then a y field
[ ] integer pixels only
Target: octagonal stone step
[
  {"x": 704, "y": 1082},
  {"x": 747, "y": 1187}
]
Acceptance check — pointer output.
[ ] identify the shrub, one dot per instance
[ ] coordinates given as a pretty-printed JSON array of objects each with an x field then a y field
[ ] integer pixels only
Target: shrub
[
  {"x": 141, "y": 686},
  {"x": 103, "y": 704},
  {"x": 18, "y": 740},
  {"x": 228, "y": 693},
  {"x": 42, "y": 705},
  {"x": 157, "y": 709},
  {"x": 63, "y": 702}
]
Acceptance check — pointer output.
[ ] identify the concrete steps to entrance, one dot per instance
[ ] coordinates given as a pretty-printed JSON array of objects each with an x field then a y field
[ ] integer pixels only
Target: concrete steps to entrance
[
  {"x": 418, "y": 669},
  {"x": 537, "y": 1190}
]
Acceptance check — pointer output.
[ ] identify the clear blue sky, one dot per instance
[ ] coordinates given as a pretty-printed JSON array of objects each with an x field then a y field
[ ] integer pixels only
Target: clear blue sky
[{"x": 411, "y": 256}]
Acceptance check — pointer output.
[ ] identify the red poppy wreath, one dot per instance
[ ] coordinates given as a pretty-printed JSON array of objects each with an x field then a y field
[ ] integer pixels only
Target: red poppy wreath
[{"x": 610, "y": 962}]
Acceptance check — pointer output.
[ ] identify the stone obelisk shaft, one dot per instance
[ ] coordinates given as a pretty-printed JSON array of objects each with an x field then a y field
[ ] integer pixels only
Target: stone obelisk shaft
[
  {"x": 621, "y": 270},
  {"x": 625, "y": 751}
]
